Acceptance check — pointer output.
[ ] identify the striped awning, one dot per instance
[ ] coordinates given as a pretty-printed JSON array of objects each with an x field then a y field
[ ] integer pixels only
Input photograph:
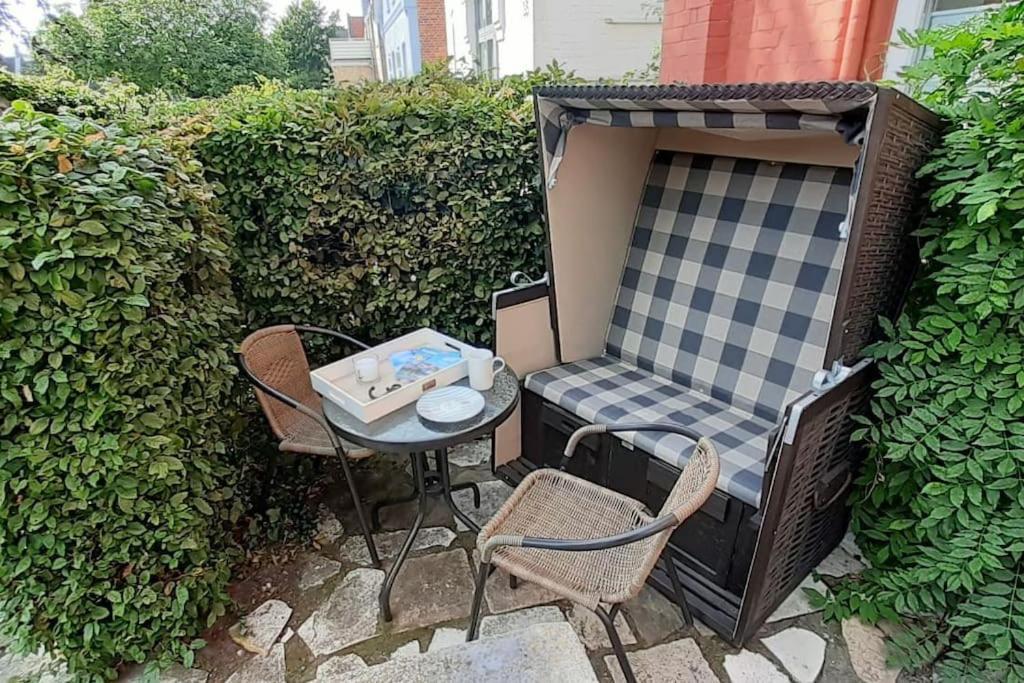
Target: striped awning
[{"x": 839, "y": 108}]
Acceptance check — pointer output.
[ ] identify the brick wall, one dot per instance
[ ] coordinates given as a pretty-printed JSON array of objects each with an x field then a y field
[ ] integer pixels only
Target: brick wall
[
  {"x": 433, "y": 43},
  {"x": 708, "y": 41}
]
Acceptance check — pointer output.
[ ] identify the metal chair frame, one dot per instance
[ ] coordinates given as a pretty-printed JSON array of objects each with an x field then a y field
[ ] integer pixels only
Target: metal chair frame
[
  {"x": 660, "y": 524},
  {"x": 322, "y": 421}
]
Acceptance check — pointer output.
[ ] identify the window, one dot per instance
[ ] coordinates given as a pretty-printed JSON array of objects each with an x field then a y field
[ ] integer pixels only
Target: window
[
  {"x": 912, "y": 15},
  {"x": 486, "y": 58},
  {"x": 484, "y": 14},
  {"x": 487, "y": 24},
  {"x": 952, "y": 12}
]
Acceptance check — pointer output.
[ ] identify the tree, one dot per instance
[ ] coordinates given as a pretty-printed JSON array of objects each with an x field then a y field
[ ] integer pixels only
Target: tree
[
  {"x": 186, "y": 47},
  {"x": 302, "y": 39}
]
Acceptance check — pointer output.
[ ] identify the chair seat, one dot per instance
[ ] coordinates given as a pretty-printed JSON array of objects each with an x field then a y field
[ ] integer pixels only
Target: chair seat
[
  {"x": 605, "y": 390},
  {"x": 306, "y": 436},
  {"x": 553, "y": 504}
]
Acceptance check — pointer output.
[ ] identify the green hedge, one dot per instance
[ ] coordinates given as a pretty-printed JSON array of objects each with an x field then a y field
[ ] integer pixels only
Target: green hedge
[
  {"x": 116, "y": 329},
  {"x": 381, "y": 208},
  {"x": 127, "y": 461}
]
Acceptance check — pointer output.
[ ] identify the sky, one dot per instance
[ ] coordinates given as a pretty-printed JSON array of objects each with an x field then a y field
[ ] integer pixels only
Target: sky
[{"x": 29, "y": 15}]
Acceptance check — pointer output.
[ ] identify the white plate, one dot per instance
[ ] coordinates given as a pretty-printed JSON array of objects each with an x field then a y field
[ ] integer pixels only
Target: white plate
[{"x": 450, "y": 404}]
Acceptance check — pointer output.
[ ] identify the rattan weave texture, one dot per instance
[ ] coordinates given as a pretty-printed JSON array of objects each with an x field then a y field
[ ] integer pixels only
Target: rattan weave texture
[
  {"x": 553, "y": 504},
  {"x": 276, "y": 356}
]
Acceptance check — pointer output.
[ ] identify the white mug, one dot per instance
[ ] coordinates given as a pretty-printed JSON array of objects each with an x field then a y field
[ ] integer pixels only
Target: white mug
[
  {"x": 367, "y": 369},
  {"x": 483, "y": 368}
]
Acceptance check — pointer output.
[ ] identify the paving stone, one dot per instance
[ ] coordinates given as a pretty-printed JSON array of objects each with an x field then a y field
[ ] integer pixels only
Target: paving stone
[
  {"x": 654, "y": 616},
  {"x": 840, "y": 563},
  {"x": 470, "y": 454},
  {"x": 410, "y": 649},
  {"x": 849, "y": 544},
  {"x": 267, "y": 668},
  {"x": 592, "y": 631},
  {"x": 800, "y": 651},
  {"x": 338, "y": 668},
  {"x": 797, "y": 603},
  {"x": 680, "y": 660},
  {"x": 703, "y": 629},
  {"x": 500, "y": 624},
  {"x": 493, "y": 495},
  {"x": 502, "y": 598},
  {"x": 546, "y": 652},
  {"x": 447, "y": 637},
  {"x": 866, "y": 645},
  {"x": 349, "y": 616},
  {"x": 750, "y": 667},
  {"x": 175, "y": 673},
  {"x": 258, "y": 630},
  {"x": 396, "y": 517},
  {"x": 39, "y": 668},
  {"x": 328, "y": 528},
  {"x": 389, "y": 543},
  {"x": 317, "y": 571},
  {"x": 431, "y": 590}
]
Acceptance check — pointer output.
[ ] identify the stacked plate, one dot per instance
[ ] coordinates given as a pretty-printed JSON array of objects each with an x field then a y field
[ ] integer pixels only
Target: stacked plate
[{"x": 450, "y": 404}]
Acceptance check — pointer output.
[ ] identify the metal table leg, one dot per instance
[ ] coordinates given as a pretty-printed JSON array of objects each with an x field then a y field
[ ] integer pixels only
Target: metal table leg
[
  {"x": 446, "y": 491},
  {"x": 418, "y": 466}
]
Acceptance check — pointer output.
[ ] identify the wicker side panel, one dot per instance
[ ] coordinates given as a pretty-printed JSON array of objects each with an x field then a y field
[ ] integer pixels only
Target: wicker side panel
[
  {"x": 886, "y": 254},
  {"x": 806, "y": 533}
]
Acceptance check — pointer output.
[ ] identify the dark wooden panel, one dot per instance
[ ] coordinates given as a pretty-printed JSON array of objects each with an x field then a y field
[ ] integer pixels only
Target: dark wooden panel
[{"x": 590, "y": 459}]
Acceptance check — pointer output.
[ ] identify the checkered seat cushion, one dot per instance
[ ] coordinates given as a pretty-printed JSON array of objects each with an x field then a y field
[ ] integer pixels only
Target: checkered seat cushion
[
  {"x": 731, "y": 278},
  {"x": 723, "y": 310},
  {"x": 605, "y": 390}
]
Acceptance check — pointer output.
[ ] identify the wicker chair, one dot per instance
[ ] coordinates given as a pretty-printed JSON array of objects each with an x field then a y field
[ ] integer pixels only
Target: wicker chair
[
  {"x": 275, "y": 362},
  {"x": 586, "y": 543}
]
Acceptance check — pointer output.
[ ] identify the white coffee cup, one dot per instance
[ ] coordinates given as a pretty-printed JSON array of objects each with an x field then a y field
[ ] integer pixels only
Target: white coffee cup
[
  {"x": 367, "y": 369},
  {"x": 483, "y": 366}
]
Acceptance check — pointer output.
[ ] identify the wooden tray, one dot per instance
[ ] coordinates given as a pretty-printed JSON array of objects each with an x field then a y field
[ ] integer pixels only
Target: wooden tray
[{"x": 337, "y": 382}]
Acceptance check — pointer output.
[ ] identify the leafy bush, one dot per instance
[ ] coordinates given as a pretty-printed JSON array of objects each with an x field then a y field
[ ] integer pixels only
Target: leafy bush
[
  {"x": 116, "y": 328},
  {"x": 380, "y": 208},
  {"x": 940, "y": 506},
  {"x": 186, "y": 47},
  {"x": 302, "y": 37}
]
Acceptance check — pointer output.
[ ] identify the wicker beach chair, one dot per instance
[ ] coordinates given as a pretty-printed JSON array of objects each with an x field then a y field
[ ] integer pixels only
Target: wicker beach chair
[
  {"x": 275, "y": 362},
  {"x": 587, "y": 543}
]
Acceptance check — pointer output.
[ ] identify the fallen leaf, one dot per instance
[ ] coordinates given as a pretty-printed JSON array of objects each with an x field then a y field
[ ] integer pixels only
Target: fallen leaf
[
  {"x": 64, "y": 164},
  {"x": 17, "y": 150},
  {"x": 95, "y": 137},
  {"x": 27, "y": 393},
  {"x": 53, "y": 144}
]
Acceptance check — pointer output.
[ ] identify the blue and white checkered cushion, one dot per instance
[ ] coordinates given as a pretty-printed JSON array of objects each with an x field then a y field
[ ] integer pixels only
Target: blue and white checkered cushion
[
  {"x": 731, "y": 278},
  {"x": 605, "y": 390}
]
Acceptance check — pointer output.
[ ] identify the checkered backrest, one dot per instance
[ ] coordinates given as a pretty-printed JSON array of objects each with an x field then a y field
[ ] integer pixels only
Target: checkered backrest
[{"x": 731, "y": 278}]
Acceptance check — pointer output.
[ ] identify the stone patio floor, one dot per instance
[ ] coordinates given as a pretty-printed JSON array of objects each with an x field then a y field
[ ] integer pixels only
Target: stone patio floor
[{"x": 316, "y": 616}]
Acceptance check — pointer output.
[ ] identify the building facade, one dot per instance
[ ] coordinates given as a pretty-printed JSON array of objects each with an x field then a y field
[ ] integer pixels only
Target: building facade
[
  {"x": 406, "y": 34},
  {"x": 593, "y": 38},
  {"x": 733, "y": 41}
]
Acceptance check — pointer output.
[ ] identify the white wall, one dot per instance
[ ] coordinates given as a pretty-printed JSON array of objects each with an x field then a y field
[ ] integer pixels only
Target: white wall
[
  {"x": 515, "y": 43},
  {"x": 397, "y": 39},
  {"x": 910, "y": 16},
  {"x": 514, "y": 40},
  {"x": 595, "y": 38},
  {"x": 460, "y": 50}
]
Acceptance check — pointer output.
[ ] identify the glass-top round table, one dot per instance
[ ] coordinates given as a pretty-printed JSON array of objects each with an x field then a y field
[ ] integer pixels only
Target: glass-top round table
[{"x": 404, "y": 432}]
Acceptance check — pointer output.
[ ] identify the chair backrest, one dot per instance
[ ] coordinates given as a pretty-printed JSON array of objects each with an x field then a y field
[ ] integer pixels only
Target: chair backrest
[
  {"x": 275, "y": 355},
  {"x": 731, "y": 278}
]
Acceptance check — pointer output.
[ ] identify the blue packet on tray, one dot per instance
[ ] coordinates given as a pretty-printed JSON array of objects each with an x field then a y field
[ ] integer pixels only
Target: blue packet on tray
[{"x": 415, "y": 364}]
